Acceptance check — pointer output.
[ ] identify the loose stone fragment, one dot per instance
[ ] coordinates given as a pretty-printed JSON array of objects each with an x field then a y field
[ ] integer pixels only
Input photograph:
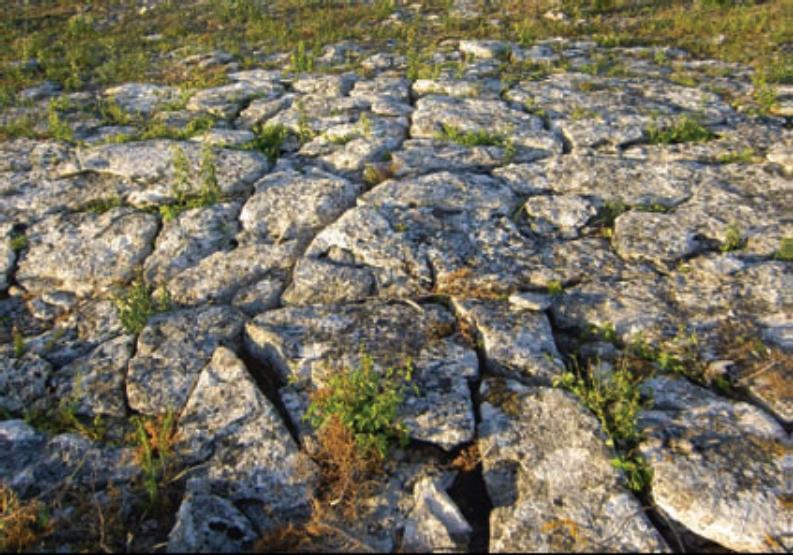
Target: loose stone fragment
[
  {"x": 23, "y": 382},
  {"x": 222, "y": 274},
  {"x": 435, "y": 523}
]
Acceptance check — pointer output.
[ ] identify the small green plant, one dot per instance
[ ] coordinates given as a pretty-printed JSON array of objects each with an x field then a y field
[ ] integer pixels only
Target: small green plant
[
  {"x": 615, "y": 399},
  {"x": 785, "y": 250},
  {"x": 268, "y": 140},
  {"x": 137, "y": 304},
  {"x": 209, "y": 192},
  {"x": 764, "y": 94},
  {"x": 301, "y": 59},
  {"x": 555, "y": 287},
  {"x": 58, "y": 128},
  {"x": 154, "y": 437},
  {"x": 609, "y": 213},
  {"x": 18, "y": 343},
  {"x": 181, "y": 172},
  {"x": 187, "y": 197},
  {"x": 102, "y": 205},
  {"x": 114, "y": 114},
  {"x": 579, "y": 113},
  {"x": 304, "y": 130},
  {"x": 63, "y": 418},
  {"x": 745, "y": 156},
  {"x": 18, "y": 242},
  {"x": 606, "y": 332},
  {"x": 479, "y": 137},
  {"x": 685, "y": 129},
  {"x": 366, "y": 403},
  {"x": 365, "y": 124},
  {"x": 733, "y": 238}
]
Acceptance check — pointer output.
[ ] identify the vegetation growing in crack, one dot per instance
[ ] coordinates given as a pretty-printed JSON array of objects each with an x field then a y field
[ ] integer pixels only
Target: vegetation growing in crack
[
  {"x": 153, "y": 437},
  {"x": 187, "y": 196},
  {"x": 18, "y": 242},
  {"x": 733, "y": 238},
  {"x": 356, "y": 419},
  {"x": 478, "y": 137},
  {"x": 744, "y": 156},
  {"x": 615, "y": 398},
  {"x": 63, "y": 418},
  {"x": 23, "y": 524},
  {"x": 137, "y": 303},
  {"x": 685, "y": 129},
  {"x": 785, "y": 250},
  {"x": 366, "y": 404},
  {"x": 268, "y": 140}
]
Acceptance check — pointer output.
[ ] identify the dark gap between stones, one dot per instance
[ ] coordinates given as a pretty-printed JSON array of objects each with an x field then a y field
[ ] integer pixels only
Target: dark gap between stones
[{"x": 269, "y": 383}]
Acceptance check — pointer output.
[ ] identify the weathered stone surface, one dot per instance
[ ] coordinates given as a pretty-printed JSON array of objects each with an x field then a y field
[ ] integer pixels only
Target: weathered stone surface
[
  {"x": 595, "y": 112},
  {"x": 516, "y": 343},
  {"x": 210, "y": 524},
  {"x": 632, "y": 307},
  {"x": 248, "y": 452},
  {"x": 258, "y": 297},
  {"x": 347, "y": 146},
  {"x": 486, "y": 49},
  {"x": 141, "y": 98},
  {"x": 32, "y": 464},
  {"x": 295, "y": 205},
  {"x": 152, "y": 161},
  {"x": 563, "y": 214},
  {"x": 226, "y": 137},
  {"x": 313, "y": 343},
  {"x": 85, "y": 253},
  {"x": 7, "y": 255},
  {"x": 94, "y": 384},
  {"x": 530, "y": 301},
  {"x": 23, "y": 382},
  {"x": 219, "y": 276},
  {"x": 525, "y": 131},
  {"x": 443, "y": 230},
  {"x": 653, "y": 237},
  {"x": 225, "y": 101},
  {"x": 190, "y": 237},
  {"x": 435, "y": 523},
  {"x": 718, "y": 466},
  {"x": 172, "y": 350},
  {"x": 550, "y": 477},
  {"x": 422, "y": 156},
  {"x": 635, "y": 183}
]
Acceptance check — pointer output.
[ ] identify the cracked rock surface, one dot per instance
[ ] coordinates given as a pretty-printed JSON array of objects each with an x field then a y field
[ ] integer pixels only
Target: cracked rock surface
[{"x": 484, "y": 223}]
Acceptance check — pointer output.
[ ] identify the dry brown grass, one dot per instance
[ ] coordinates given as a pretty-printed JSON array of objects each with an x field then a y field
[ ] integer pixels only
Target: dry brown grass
[
  {"x": 346, "y": 473},
  {"x": 461, "y": 284},
  {"x": 347, "y": 476},
  {"x": 22, "y": 523},
  {"x": 467, "y": 459}
]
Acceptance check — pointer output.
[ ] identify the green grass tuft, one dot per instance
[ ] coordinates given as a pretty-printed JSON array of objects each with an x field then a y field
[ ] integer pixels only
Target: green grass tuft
[{"x": 685, "y": 129}]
